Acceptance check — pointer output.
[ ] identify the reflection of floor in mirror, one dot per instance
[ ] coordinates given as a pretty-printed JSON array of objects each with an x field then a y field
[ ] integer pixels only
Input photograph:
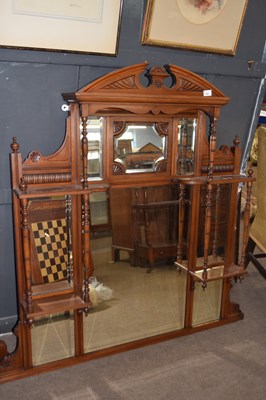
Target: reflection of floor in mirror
[{"x": 142, "y": 305}]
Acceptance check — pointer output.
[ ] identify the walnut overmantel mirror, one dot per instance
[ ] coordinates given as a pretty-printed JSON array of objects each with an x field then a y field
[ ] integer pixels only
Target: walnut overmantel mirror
[{"x": 126, "y": 235}]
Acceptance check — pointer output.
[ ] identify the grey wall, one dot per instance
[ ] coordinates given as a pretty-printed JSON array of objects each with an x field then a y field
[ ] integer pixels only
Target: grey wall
[{"x": 31, "y": 83}]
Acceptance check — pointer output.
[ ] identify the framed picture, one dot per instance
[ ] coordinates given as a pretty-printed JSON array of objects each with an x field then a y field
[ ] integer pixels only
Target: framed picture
[
  {"x": 78, "y": 26},
  {"x": 211, "y": 26}
]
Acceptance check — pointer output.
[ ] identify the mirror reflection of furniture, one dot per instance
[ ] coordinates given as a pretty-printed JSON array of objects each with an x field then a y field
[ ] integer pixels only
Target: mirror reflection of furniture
[
  {"x": 139, "y": 147},
  {"x": 257, "y": 234},
  {"x": 155, "y": 221},
  {"x": 168, "y": 197},
  {"x": 124, "y": 146}
]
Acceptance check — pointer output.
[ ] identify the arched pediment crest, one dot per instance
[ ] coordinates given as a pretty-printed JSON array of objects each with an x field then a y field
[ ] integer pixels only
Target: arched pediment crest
[{"x": 142, "y": 80}]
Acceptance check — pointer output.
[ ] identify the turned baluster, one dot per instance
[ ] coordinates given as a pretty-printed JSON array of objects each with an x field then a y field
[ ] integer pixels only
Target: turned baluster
[
  {"x": 217, "y": 210},
  {"x": 69, "y": 238},
  {"x": 207, "y": 232},
  {"x": 26, "y": 246},
  {"x": 184, "y": 143},
  {"x": 88, "y": 270},
  {"x": 85, "y": 149},
  {"x": 212, "y": 146},
  {"x": 208, "y": 205}
]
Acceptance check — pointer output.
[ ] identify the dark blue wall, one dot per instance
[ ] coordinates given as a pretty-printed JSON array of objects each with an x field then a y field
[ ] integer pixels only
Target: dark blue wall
[{"x": 31, "y": 83}]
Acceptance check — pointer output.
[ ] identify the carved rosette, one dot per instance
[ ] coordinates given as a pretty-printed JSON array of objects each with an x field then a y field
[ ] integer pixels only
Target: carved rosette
[
  {"x": 162, "y": 128},
  {"x": 119, "y": 127},
  {"x": 118, "y": 168},
  {"x": 35, "y": 156}
]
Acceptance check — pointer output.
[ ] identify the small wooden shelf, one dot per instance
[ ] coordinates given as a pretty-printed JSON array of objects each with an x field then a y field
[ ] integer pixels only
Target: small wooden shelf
[
  {"x": 55, "y": 305},
  {"x": 215, "y": 179},
  {"x": 59, "y": 191},
  {"x": 214, "y": 273}
]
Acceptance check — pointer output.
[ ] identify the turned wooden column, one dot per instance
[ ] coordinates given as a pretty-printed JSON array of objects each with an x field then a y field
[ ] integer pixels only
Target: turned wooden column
[
  {"x": 180, "y": 222},
  {"x": 87, "y": 262},
  {"x": 84, "y": 149},
  {"x": 26, "y": 246}
]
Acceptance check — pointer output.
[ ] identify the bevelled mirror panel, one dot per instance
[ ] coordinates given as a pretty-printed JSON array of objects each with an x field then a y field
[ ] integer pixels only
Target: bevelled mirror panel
[
  {"x": 140, "y": 147},
  {"x": 186, "y": 145},
  {"x": 94, "y": 135},
  {"x": 53, "y": 338},
  {"x": 128, "y": 303}
]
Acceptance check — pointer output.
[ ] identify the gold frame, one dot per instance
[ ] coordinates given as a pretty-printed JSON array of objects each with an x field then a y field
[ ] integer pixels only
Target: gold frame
[
  {"x": 170, "y": 23},
  {"x": 76, "y": 26}
]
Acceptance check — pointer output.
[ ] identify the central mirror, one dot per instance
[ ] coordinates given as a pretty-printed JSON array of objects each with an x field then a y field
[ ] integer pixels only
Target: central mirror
[{"x": 140, "y": 147}]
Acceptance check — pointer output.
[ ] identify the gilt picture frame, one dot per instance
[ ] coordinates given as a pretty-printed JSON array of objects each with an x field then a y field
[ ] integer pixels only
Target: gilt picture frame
[
  {"x": 76, "y": 26},
  {"x": 211, "y": 26}
]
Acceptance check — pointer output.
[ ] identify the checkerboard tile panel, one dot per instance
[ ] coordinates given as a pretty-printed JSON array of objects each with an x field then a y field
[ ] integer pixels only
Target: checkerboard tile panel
[{"x": 50, "y": 238}]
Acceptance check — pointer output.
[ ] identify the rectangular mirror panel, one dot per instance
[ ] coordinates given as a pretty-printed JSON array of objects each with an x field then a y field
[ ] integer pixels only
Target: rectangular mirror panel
[
  {"x": 186, "y": 145},
  {"x": 129, "y": 303},
  {"x": 94, "y": 135},
  {"x": 53, "y": 338},
  {"x": 207, "y": 302},
  {"x": 140, "y": 147}
]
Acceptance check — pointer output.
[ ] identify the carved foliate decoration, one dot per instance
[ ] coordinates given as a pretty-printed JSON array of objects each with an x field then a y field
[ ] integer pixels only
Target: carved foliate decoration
[
  {"x": 128, "y": 83},
  {"x": 225, "y": 150},
  {"x": 184, "y": 85}
]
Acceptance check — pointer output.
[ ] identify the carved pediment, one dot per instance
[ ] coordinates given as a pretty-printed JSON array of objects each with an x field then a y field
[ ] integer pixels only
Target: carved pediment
[{"x": 146, "y": 81}]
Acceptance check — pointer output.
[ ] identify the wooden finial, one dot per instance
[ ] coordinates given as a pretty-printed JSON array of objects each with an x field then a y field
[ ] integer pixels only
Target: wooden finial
[
  {"x": 250, "y": 172},
  {"x": 14, "y": 145},
  {"x": 236, "y": 140}
]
